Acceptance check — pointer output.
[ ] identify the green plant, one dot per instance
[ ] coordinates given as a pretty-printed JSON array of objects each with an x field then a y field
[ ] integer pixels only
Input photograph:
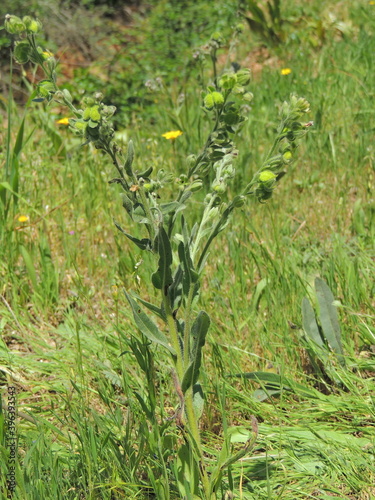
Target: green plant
[
  {"x": 179, "y": 245},
  {"x": 9, "y": 185},
  {"x": 266, "y": 23},
  {"x": 323, "y": 341}
]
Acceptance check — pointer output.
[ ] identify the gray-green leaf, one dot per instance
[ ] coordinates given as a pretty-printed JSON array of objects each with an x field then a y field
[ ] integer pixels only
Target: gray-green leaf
[
  {"x": 329, "y": 318},
  {"x": 148, "y": 327}
]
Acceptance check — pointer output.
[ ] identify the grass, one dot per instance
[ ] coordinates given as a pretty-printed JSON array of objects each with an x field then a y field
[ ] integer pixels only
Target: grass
[{"x": 82, "y": 434}]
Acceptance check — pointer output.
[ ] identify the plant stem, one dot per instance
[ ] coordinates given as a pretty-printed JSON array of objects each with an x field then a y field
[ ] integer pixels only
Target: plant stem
[
  {"x": 201, "y": 227},
  {"x": 188, "y": 326},
  {"x": 174, "y": 336},
  {"x": 275, "y": 142},
  {"x": 215, "y": 231},
  {"x": 195, "y": 435}
]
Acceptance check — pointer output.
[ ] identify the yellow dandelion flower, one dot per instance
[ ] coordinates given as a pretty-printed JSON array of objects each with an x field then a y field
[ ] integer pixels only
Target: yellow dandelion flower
[
  {"x": 285, "y": 71},
  {"x": 23, "y": 218},
  {"x": 63, "y": 121},
  {"x": 372, "y": 2},
  {"x": 173, "y": 134}
]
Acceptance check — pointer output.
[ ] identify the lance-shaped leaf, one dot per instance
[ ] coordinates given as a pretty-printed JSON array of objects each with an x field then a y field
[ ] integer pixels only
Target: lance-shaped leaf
[
  {"x": 175, "y": 290},
  {"x": 315, "y": 346},
  {"x": 129, "y": 159},
  {"x": 151, "y": 307},
  {"x": 144, "y": 244},
  {"x": 198, "y": 400},
  {"x": 189, "y": 274},
  {"x": 199, "y": 331},
  {"x": 172, "y": 206},
  {"x": 187, "y": 473},
  {"x": 139, "y": 214},
  {"x": 329, "y": 318},
  {"x": 310, "y": 325},
  {"x": 148, "y": 327},
  {"x": 127, "y": 203},
  {"x": 162, "y": 279}
]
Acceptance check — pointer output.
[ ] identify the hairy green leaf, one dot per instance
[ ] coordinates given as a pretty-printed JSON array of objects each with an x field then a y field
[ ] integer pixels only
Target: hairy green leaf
[
  {"x": 310, "y": 325},
  {"x": 329, "y": 318},
  {"x": 148, "y": 327},
  {"x": 143, "y": 244},
  {"x": 199, "y": 331}
]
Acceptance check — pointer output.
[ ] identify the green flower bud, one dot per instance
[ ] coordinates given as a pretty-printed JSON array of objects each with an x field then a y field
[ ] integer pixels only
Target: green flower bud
[
  {"x": 22, "y": 52},
  {"x": 51, "y": 63},
  {"x": 303, "y": 105},
  {"x": 32, "y": 25},
  {"x": 248, "y": 96},
  {"x": 14, "y": 25},
  {"x": 218, "y": 98},
  {"x": 219, "y": 187},
  {"x": 266, "y": 176},
  {"x": 243, "y": 76},
  {"x": 228, "y": 81},
  {"x": 149, "y": 187},
  {"x": 238, "y": 201},
  {"x": 195, "y": 185},
  {"x": 229, "y": 171},
  {"x": 275, "y": 162},
  {"x": 94, "y": 114},
  {"x": 108, "y": 111},
  {"x": 209, "y": 101},
  {"x": 79, "y": 125},
  {"x": 89, "y": 101},
  {"x": 212, "y": 214},
  {"x": 86, "y": 113},
  {"x": 191, "y": 161},
  {"x": 240, "y": 27},
  {"x": 263, "y": 194},
  {"x": 287, "y": 156},
  {"x": 239, "y": 90},
  {"x": 37, "y": 56},
  {"x": 67, "y": 95},
  {"x": 207, "y": 198},
  {"x": 217, "y": 37}
]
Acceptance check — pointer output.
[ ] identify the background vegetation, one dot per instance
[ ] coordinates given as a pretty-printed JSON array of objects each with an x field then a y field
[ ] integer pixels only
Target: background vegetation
[{"x": 63, "y": 317}]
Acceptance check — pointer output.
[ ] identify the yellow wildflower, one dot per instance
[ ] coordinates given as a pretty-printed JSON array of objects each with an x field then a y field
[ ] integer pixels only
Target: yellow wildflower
[
  {"x": 173, "y": 134},
  {"x": 63, "y": 121},
  {"x": 372, "y": 2},
  {"x": 285, "y": 71},
  {"x": 23, "y": 218},
  {"x": 47, "y": 54}
]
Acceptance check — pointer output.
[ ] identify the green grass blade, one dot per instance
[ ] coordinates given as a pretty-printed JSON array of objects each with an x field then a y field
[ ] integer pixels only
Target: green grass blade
[{"x": 30, "y": 267}]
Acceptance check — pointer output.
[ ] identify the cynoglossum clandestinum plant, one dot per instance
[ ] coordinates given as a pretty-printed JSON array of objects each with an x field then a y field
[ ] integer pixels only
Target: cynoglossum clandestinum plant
[{"x": 180, "y": 250}]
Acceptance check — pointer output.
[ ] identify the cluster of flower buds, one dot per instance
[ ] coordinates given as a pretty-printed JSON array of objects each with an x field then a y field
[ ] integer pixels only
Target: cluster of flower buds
[
  {"x": 266, "y": 184},
  {"x": 236, "y": 82},
  {"x": 27, "y": 25},
  {"x": 291, "y": 129},
  {"x": 93, "y": 122},
  {"x": 229, "y": 115},
  {"x": 25, "y": 49},
  {"x": 224, "y": 171}
]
